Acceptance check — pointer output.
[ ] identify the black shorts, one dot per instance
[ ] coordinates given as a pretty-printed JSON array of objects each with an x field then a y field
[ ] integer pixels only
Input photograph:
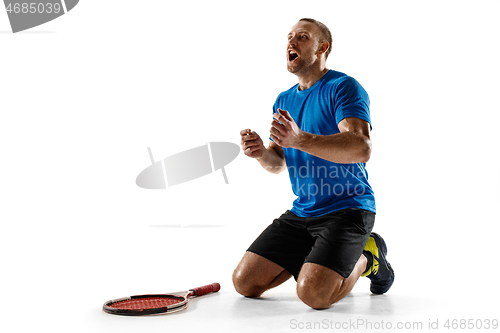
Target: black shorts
[{"x": 334, "y": 240}]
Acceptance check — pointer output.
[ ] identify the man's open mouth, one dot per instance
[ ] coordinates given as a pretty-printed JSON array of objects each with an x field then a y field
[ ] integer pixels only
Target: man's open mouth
[{"x": 292, "y": 55}]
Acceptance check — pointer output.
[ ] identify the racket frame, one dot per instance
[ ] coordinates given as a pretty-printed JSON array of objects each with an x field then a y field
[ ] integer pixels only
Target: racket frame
[{"x": 107, "y": 307}]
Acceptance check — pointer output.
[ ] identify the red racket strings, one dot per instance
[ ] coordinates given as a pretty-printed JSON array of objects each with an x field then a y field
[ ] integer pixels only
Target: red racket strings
[{"x": 146, "y": 303}]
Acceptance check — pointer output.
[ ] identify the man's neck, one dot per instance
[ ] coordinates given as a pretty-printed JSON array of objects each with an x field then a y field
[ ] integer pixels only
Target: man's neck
[{"x": 307, "y": 80}]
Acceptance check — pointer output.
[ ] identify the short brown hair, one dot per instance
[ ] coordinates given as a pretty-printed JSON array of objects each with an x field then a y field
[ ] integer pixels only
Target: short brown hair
[{"x": 325, "y": 33}]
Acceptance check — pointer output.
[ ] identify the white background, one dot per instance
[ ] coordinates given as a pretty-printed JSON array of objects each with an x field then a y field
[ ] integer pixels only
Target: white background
[{"x": 83, "y": 96}]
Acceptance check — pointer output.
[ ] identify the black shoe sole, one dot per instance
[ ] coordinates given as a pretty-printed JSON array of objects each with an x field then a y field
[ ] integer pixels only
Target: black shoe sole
[{"x": 382, "y": 255}]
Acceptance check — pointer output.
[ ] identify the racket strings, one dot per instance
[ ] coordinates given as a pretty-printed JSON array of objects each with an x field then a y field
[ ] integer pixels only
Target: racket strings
[{"x": 146, "y": 303}]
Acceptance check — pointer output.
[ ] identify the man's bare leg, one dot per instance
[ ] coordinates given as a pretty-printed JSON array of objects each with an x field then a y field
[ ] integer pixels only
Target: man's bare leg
[
  {"x": 256, "y": 274},
  {"x": 320, "y": 287}
]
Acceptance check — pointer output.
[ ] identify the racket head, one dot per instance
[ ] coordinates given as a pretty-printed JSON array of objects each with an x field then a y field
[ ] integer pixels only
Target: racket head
[{"x": 142, "y": 305}]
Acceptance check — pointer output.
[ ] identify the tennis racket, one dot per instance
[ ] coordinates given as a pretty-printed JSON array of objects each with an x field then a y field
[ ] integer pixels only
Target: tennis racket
[{"x": 141, "y": 305}]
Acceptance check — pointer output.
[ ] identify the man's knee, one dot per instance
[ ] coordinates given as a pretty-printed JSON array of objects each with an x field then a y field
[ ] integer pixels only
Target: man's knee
[
  {"x": 256, "y": 274},
  {"x": 313, "y": 296},
  {"x": 318, "y": 286},
  {"x": 244, "y": 284}
]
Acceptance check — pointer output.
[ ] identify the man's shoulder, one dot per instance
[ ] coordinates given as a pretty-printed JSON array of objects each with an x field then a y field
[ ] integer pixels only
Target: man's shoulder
[
  {"x": 331, "y": 80},
  {"x": 292, "y": 90},
  {"x": 336, "y": 78},
  {"x": 338, "y": 82}
]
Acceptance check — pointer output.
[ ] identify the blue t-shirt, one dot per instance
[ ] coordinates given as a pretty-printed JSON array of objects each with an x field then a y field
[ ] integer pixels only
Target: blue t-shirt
[{"x": 322, "y": 186}]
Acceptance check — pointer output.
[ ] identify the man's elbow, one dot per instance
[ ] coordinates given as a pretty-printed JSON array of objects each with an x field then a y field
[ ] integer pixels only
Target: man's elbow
[
  {"x": 365, "y": 150},
  {"x": 278, "y": 169}
]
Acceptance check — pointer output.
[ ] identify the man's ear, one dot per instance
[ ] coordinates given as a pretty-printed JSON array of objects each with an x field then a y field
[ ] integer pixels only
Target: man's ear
[{"x": 323, "y": 47}]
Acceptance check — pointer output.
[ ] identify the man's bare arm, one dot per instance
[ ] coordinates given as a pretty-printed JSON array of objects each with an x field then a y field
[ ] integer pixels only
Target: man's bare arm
[
  {"x": 351, "y": 145},
  {"x": 271, "y": 158}
]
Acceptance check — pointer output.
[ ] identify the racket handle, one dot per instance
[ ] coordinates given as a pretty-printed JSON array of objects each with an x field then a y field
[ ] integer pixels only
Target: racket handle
[{"x": 209, "y": 288}]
